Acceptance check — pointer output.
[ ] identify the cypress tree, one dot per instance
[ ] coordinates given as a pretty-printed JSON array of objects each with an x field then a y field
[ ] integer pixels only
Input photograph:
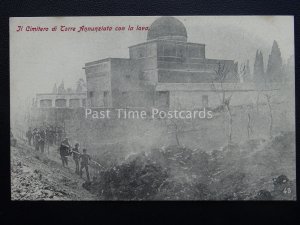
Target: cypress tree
[
  {"x": 258, "y": 70},
  {"x": 274, "y": 69}
]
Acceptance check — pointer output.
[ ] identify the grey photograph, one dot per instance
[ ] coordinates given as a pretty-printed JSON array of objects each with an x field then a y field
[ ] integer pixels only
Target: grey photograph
[{"x": 152, "y": 108}]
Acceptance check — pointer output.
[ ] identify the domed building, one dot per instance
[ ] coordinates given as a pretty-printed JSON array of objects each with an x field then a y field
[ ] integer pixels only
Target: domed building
[
  {"x": 167, "y": 28},
  {"x": 166, "y": 70}
]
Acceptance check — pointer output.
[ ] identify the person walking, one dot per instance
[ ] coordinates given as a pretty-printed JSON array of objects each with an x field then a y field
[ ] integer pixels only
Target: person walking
[
  {"x": 37, "y": 138},
  {"x": 85, "y": 159},
  {"x": 29, "y": 135},
  {"x": 42, "y": 140},
  {"x": 76, "y": 156},
  {"x": 64, "y": 151}
]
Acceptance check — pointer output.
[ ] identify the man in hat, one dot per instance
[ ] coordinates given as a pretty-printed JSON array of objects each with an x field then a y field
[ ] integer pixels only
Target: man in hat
[{"x": 64, "y": 151}]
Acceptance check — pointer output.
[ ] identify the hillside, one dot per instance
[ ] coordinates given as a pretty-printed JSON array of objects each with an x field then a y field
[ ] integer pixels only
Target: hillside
[
  {"x": 35, "y": 176},
  {"x": 258, "y": 169}
]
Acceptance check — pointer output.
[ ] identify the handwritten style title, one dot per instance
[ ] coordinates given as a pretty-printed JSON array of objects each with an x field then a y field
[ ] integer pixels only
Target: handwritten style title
[{"x": 83, "y": 28}]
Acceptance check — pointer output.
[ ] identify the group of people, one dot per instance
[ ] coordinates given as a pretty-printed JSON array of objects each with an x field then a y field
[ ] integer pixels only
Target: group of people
[
  {"x": 49, "y": 136},
  {"x": 37, "y": 138},
  {"x": 40, "y": 136},
  {"x": 83, "y": 158}
]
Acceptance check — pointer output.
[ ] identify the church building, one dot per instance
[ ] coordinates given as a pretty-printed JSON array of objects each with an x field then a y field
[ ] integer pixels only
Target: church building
[{"x": 165, "y": 71}]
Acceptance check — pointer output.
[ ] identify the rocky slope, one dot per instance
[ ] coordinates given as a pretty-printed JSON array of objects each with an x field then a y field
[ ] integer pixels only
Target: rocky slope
[{"x": 36, "y": 176}]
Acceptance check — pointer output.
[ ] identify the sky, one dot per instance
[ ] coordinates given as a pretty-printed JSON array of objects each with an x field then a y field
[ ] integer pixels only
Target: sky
[{"x": 38, "y": 60}]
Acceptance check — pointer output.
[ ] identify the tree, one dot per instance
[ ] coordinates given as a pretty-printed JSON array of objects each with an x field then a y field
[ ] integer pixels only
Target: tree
[
  {"x": 81, "y": 85},
  {"x": 258, "y": 70},
  {"x": 274, "y": 69},
  {"x": 227, "y": 105},
  {"x": 176, "y": 131},
  {"x": 179, "y": 127},
  {"x": 249, "y": 125},
  {"x": 61, "y": 88},
  {"x": 259, "y": 76},
  {"x": 222, "y": 74},
  {"x": 247, "y": 71},
  {"x": 245, "y": 76},
  {"x": 54, "y": 90},
  {"x": 268, "y": 97}
]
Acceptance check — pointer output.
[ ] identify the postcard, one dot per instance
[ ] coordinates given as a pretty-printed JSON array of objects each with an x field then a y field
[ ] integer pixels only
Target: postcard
[{"x": 152, "y": 108}]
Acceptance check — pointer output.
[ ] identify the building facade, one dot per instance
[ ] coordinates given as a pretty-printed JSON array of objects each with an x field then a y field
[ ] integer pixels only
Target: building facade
[
  {"x": 60, "y": 100},
  {"x": 165, "y": 58},
  {"x": 166, "y": 71}
]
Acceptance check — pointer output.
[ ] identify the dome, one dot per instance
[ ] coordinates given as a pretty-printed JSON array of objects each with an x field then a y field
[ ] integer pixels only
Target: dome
[{"x": 167, "y": 28}]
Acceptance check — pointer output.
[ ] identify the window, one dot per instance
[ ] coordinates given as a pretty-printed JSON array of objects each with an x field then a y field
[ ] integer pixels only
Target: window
[
  {"x": 91, "y": 94},
  {"x": 46, "y": 103},
  {"x": 74, "y": 103},
  {"x": 61, "y": 103}
]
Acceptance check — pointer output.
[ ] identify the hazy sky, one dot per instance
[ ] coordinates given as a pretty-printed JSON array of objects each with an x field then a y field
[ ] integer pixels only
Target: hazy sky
[{"x": 40, "y": 59}]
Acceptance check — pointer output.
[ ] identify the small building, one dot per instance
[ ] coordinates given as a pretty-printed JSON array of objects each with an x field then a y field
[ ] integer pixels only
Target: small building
[
  {"x": 155, "y": 70},
  {"x": 60, "y": 100}
]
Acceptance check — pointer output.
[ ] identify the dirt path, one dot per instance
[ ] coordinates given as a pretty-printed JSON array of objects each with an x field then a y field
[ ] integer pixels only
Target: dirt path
[{"x": 36, "y": 176}]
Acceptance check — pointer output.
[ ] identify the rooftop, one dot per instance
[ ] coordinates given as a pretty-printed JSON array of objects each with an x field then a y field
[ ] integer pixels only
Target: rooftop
[{"x": 167, "y": 28}]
